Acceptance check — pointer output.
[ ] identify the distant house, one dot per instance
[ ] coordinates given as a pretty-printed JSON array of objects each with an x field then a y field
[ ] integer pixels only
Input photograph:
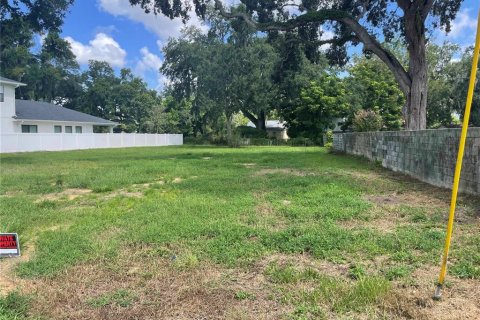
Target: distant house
[
  {"x": 275, "y": 129},
  {"x": 338, "y": 123},
  {"x": 25, "y": 116}
]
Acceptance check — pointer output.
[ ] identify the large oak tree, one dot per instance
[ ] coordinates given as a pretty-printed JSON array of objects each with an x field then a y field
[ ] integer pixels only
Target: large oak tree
[{"x": 369, "y": 22}]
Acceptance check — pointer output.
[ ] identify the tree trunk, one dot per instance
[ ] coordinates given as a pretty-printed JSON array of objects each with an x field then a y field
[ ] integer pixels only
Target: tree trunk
[
  {"x": 412, "y": 83},
  {"x": 258, "y": 122},
  {"x": 229, "y": 129},
  {"x": 415, "y": 110},
  {"x": 261, "y": 121}
]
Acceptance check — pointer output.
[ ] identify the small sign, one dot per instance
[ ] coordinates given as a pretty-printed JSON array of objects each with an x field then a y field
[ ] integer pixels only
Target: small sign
[{"x": 9, "y": 245}]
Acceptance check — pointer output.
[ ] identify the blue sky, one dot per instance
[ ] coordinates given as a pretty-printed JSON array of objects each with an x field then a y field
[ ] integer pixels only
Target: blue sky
[{"x": 125, "y": 36}]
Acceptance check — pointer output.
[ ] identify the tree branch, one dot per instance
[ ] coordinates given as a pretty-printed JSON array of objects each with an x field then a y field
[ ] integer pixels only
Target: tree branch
[
  {"x": 426, "y": 8},
  {"x": 369, "y": 42},
  {"x": 250, "y": 116},
  {"x": 404, "y": 4}
]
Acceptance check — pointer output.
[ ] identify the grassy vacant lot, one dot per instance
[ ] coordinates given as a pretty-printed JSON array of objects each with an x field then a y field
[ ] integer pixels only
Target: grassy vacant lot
[{"x": 218, "y": 233}]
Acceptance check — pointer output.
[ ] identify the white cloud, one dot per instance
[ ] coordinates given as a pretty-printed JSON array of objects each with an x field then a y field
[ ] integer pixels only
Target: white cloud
[
  {"x": 149, "y": 61},
  {"x": 326, "y": 35},
  {"x": 102, "y": 48},
  {"x": 161, "y": 25},
  {"x": 106, "y": 29},
  {"x": 148, "y": 67},
  {"x": 462, "y": 24}
]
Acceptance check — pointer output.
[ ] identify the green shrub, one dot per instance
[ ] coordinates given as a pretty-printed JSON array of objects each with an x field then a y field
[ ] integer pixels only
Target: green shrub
[
  {"x": 299, "y": 141},
  {"x": 196, "y": 140},
  {"x": 367, "y": 120},
  {"x": 249, "y": 132}
]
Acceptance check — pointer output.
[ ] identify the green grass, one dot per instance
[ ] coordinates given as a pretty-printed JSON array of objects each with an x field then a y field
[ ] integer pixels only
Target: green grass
[
  {"x": 121, "y": 297},
  {"x": 14, "y": 306},
  {"x": 211, "y": 205}
]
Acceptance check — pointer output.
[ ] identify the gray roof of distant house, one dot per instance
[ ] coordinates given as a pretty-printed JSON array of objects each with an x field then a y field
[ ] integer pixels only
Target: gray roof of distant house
[
  {"x": 6, "y": 80},
  {"x": 36, "y": 110},
  {"x": 271, "y": 125}
]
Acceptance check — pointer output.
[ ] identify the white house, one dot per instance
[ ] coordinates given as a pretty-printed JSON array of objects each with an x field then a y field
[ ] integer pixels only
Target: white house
[
  {"x": 275, "y": 129},
  {"x": 40, "y": 126},
  {"x": 28, "y": 116}
]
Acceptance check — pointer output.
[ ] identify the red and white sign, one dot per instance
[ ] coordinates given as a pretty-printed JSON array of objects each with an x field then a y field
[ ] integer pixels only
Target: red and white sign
[{"x": 9, "y": 245}]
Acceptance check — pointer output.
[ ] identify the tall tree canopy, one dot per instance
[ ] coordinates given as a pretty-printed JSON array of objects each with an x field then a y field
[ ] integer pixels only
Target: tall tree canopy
[
  {"x": 354, "y": 21},
  {"x": 372, "y": 87},
  {"x": 229, "y": 70},
  {"x": 21, "y": 20},
  {"x": 449, "y": 71}
]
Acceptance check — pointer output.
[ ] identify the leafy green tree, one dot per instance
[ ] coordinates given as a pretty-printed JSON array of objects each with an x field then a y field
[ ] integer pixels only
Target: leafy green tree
[
  {"x": 441, "y": 78},
  {"x": 460, "y": 77},
  {"x": 125, "y": 99},
  {"x": 222, "y": 73},
  {"x": 21, "y": 20},
  {"x": 372, "y": 87},
  {"x": 449, "y": 72},
  {"x": 358, "y": 21},
  {"x": 169, "y": 117},
  {"x": 320, "y": 103},
  {"x": 54, "y": 74},
  {"x": 183, "y": 63},
  {"x": 100, "y": 85},
  {"x": 133, "y": 101}
]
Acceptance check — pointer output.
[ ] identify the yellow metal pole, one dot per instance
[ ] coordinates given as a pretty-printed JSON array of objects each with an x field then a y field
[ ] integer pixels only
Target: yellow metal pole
[{"x": 458, "y": 168}]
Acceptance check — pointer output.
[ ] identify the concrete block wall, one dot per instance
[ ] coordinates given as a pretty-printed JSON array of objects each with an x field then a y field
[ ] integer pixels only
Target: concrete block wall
[{"x": 428, "y": 155}]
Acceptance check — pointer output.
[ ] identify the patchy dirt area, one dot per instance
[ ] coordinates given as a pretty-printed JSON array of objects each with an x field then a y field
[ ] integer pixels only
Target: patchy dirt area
[
  {"x": 407, "y": 198},
  {"x": 124, "y": 193},
  {"x": 248, "y": 164},
  {"x": 285, "y": 171},
  {"x": 156, "y": 290},
  {"x": 149, "y": 184},
  {"x": 136, "y": 191},
  {"x": 305, "y": 261},
  {"x": 379, "y": 224},
  {"x": 459, "y": 299},
  {"x": 390, "y": 202},
  {"x": 152, "y": 286},
  {"x": 9, "y": 281},
  {"x": 68, "y": 194}
]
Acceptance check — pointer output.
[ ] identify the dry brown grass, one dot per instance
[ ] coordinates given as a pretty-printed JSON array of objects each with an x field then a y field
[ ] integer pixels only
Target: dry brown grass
[
  {"x": 285, "y": 171},
  {"x": 123, "y": 193},
  {"x": 161, "y": 291},
  {"x": 459, "y": 299},
  {"x": 265, "y": 214},
  {"x": 407, "y": 198},
  {"x": 9, "y": 281},
  {"x": 68, "y": 194},
  {"x": 177, "y": 180}
]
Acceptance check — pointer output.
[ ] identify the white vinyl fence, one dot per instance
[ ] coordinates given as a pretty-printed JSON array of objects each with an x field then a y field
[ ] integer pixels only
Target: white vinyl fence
[{"x": 23, "y": 142}]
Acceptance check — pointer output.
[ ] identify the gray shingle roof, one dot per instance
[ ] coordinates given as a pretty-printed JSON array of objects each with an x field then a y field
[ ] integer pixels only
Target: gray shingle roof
[
  {"x": 36, "y": 110},
  {"x": 6, "y": 80}
]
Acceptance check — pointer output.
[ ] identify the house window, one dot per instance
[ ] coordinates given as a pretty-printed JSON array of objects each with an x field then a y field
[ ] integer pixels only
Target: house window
[
  {"x": 68, "y": 129},
  {"x": 78, "y": 129},
  {"x": 2, "y": 92},
  {"x": 57, "y": 129},
  {"x": 28, "y": 128}
]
